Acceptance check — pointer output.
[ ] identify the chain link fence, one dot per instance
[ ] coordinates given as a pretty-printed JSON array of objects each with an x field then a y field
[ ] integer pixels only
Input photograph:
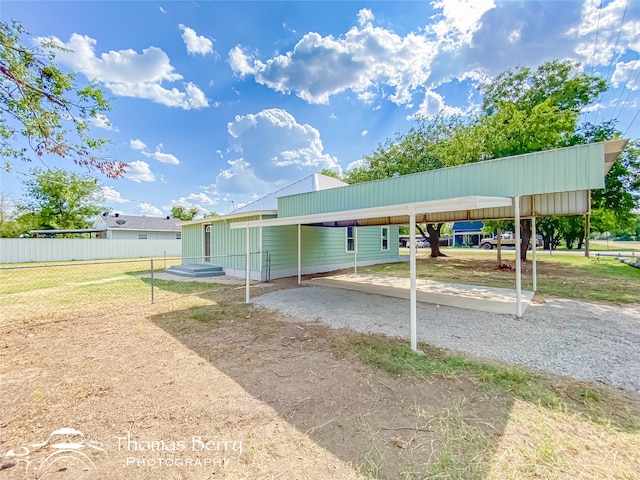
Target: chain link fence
[{"x": 58, "y": 291}]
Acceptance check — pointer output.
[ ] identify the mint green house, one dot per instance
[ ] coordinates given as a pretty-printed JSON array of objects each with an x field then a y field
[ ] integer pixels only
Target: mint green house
[{"x": 274, "y": 250}]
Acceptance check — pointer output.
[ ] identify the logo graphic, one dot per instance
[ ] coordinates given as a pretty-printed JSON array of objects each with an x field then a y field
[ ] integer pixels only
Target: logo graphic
[{"x": 63, "y": 449}]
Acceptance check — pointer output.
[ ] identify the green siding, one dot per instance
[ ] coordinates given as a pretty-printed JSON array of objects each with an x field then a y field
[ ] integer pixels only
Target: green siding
[
  {"x": 320, "y": 246},
  {"x": 325, "y": 246},
  {"x": 562, "y": 170},
  {"x": 227, "y": 245}
]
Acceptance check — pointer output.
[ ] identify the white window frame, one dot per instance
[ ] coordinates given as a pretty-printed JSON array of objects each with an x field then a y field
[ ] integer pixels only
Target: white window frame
[
  {"x": 179, "y": 236},
  {"x": 384, "y": 237},
  {"x": 347, "y": 238}
]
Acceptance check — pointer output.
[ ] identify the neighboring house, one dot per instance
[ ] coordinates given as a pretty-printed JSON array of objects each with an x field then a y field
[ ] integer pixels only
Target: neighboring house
[
  {"x": 467, "y": 234},
  {"x": 275, "y": 249},
  {"x": 132, "y": 227}
]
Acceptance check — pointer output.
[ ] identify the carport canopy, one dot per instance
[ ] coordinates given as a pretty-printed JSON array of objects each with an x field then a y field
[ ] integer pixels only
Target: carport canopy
[{"x": 554, "y": 182}]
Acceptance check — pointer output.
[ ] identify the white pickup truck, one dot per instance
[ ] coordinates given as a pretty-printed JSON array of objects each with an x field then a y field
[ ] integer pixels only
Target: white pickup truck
[{"x": 508, "y": 240}]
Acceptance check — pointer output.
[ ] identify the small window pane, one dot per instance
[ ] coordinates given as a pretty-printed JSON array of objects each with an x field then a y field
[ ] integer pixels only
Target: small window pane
[
  {"x": 351, "y": 240},
  {"x": 384, "y": 240}
]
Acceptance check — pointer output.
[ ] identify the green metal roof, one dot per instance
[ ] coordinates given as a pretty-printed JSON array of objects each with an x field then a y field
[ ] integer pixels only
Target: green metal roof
[{"x": 581, "y": 167}]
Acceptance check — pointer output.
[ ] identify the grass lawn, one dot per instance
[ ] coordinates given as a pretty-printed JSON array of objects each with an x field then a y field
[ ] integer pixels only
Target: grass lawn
[
  {"x": 599, "y": 279},
  {"x": 36, "y": 292}
]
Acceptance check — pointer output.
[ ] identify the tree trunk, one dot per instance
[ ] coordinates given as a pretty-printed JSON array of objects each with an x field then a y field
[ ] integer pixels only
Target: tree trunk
[
  {"x": 499, "y": 237},
  {"x": 525, "y": 238},
  {"x": 434, "y": 239}
]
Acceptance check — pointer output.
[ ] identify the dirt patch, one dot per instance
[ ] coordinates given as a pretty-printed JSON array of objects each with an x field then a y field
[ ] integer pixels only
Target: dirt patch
[{"x": 209, "y": 388}]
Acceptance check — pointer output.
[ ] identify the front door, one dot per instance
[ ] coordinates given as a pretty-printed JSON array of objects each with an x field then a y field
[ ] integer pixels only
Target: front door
[{"x": 207, "y": 243}]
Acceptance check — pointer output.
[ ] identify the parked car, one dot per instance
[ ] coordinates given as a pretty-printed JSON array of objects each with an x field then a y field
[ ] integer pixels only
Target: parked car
[{"x": 508, "y": 240}]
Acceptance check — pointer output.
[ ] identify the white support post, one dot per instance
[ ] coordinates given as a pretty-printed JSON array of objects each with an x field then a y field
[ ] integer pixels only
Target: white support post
[
  {"x": 534, "y": 247},
  {"x": 516, "y": 208},
  {"x": 248, "y": 269},
  {"x": 355, "y": 249},
  {"x": 299, "y": 255},
  {"x": 412, "y": 281},
  {"x": 262, "y": 277}
]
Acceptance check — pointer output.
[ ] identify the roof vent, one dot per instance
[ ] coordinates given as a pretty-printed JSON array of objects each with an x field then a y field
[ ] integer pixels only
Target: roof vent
[
  {"x": 120, "y": 221},
  {"x": 105, "y": 214},
  {"x": 117, "y": 215},
  {"x": 168, "y": 217}
]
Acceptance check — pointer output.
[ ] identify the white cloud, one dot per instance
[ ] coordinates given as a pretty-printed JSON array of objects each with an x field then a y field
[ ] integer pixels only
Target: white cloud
[
  {"x": 319, "y": 67},
  {"x": 130, "y": 74},
  {"x": 164, "y": 158},
  {"x": 365, "y": 16},
  {"x": 624, "y": 74},
  {"x": 137, "y": 144},
  {"x": 514, "y": 36},
  {"x": 433, "y": 105},
  {"x": 139, "y": 171},
  {"x": 604, "y": 23},
  {"x": 162, "y": 10},
  {"x": 196, "y": 44},
  {"x": 333, "y": 116},
  {"x": 159, "y": 155},
  {"x": 364, "y": 133},
  {"x": 460, "y": 19},
  {"x": 111, "y": 195},
  {"x": 367, "y": 59},
  {"x": 270, "y": 150},
  {"x": 102, "y": 121},
  {"x": 356, "y": 164},
  {"x": 201, "y": 201},
  {"x": 239, "y": 62},
  {"x": 148, "y": 209}
]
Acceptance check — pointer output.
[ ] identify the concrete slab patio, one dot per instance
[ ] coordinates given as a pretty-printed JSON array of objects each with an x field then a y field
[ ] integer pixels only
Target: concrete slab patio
[{"x": 472, "y": 297}]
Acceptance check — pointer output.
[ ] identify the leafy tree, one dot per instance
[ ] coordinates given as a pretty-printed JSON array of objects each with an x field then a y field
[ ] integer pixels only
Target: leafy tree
[
  {"x": 19, "y": 227},
  {"x": 330, "y": 173},
  {"x": 561, "y": 83},
  {"x": 550, "y": 229},
  {"x": 410, "y": 153},
  {"x": 61, "y": 200},
  {"x": 523, "y": 111},
  {"x": 183, "y": 213},
  {"x": 573, "y": 231},
  {"x": 43, "y": 110},
  {"x": 527, "y": 110}
]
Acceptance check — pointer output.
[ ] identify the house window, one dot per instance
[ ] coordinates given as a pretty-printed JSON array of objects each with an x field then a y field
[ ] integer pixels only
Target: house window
[
  {"x": 142, "y": 236},
  {"x": 384, "y": 239},
  {"x": 179, "y": 236},
  {"x": 351, "y": 239}
]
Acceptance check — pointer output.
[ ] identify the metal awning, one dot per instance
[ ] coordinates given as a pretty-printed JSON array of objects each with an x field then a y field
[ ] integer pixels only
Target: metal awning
[
  {"x": 386, "y": 215},
  {"x": 556, "y": 173}
]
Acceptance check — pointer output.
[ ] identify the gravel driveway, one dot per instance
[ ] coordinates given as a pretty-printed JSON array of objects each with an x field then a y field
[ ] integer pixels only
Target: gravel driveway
[{"x": 592, "y": 342}]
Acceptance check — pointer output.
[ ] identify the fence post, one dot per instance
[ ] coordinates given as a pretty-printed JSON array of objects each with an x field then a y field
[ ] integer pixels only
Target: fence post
[{"x": 152, "y": 281}]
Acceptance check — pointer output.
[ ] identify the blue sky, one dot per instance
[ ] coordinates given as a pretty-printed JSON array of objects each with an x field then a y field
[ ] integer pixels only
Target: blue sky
[{"x": 216, "y": 104}]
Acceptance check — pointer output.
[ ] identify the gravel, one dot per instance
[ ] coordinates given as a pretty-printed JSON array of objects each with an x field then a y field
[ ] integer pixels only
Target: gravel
[{"x": 591, "y": 342}]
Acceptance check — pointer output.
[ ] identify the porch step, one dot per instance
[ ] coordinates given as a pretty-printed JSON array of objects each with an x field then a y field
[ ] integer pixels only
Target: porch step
[{"x": 196, "y": 270}]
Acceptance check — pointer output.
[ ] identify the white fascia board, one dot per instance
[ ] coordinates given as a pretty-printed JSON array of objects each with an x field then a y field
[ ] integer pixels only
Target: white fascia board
[
  {"x": 432, "y": 206},
  {"x": 229, "y": 216}
]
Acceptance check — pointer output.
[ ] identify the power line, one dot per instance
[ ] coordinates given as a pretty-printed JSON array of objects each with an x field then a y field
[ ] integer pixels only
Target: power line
[
  {"x": 595, "y": 45},
  {"x": 615, "y": 47},
  {"x": 635, "y": 81},
  {"x": 623, "y": 88},
  {"x": 632, "y": 121}
]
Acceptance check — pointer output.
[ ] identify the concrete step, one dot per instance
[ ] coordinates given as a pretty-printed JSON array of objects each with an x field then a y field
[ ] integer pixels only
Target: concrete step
[{"x": 196, "y": 270}]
